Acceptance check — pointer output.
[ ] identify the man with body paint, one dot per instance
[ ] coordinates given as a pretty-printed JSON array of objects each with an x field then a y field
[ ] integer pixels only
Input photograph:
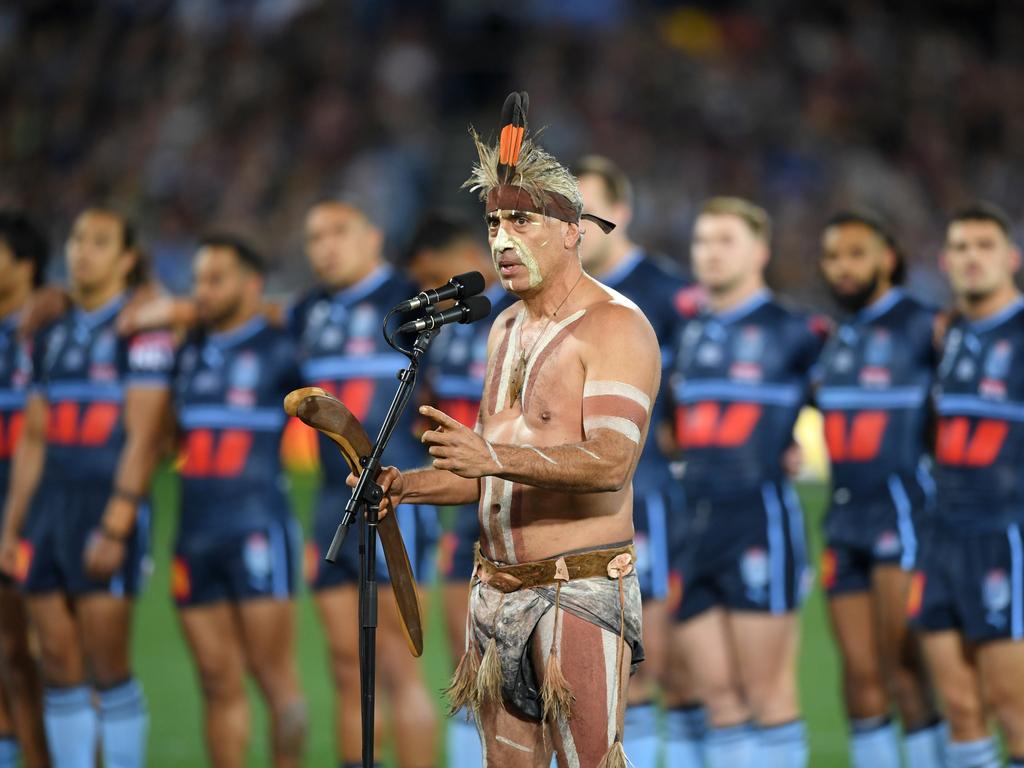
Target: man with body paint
[{"x": 573, "y": 368}]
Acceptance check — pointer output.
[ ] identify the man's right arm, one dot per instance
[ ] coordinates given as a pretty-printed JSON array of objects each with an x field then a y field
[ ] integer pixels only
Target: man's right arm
[
  {"x": 27, "y": 467},
  {"x": 424, "y": 486}
]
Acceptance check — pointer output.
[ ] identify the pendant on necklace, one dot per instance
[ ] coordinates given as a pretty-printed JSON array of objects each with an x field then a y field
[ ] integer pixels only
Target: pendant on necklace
[{"x": 517, "y": 381}]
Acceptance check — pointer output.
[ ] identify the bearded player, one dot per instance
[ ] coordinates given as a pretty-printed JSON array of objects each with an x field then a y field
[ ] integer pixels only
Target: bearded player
[{"x": 874, "y": 391}]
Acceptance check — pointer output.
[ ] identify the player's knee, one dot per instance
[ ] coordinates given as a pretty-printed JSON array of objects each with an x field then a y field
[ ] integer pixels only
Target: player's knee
[
  {"x": 865, "y": 692},
  {"x": 344, "y": 670},
  {"x": 1005, "y": 701},
  {"x": 14, "y": 648},
  {"x": 221, "y": 685},
  {"x": 911, "y": 693},
  {"x": 60, "y": 657},
  {"x": 725, "y": 703},
  {"x": 773, "y": 700},
  {"x": 292, "y": 724},
  {"x": 964, "y": 709}
]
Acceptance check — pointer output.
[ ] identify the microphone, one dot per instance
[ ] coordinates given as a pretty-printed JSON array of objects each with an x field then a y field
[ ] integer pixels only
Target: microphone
[
  {"x": 469, "y": 311},
  {"x": 459, "y": 287}
]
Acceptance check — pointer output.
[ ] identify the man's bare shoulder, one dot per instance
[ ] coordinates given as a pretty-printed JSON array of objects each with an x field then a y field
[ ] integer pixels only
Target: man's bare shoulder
[{"x": 613, "y": 315}]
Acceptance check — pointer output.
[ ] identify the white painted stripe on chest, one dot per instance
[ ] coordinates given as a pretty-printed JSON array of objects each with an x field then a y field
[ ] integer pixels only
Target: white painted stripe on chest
[
  {"x": 614, "y": 423},
  {"x": 546, "y": 340},
  {"x": 617, "y": 389},
  {"x": 509, "y": 362},
  {"x": 485, "y": 515},
  {"x": 505, "y": 518}
]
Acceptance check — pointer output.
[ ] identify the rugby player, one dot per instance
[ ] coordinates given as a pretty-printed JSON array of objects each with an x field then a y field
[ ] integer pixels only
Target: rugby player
[
  {"x": 24, "y": 253},
  {"x": 968, "y": 596},
  {"x": 90, "y": 442},
  {"x": 238, "y": 546},
  {"x": 742, "y": 373}
]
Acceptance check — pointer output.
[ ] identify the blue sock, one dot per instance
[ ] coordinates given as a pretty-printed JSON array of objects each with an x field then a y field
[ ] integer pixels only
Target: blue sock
[
  {"x": 926, "y": 747},
  {"x": 873, "y": 743},
  {"x": 70, "y": 726},
  {"x": 982, "y": 753},
  {"x": 9, "y": 752},
  {"x": 731, "y": 747},
  {"x": 684, "y": 737},
  {"x": 783, "y": 746},
  {"x": 464, "y": 750},
  {"x": 124, "y": 722},
  {"x": 640, "y": 735}
]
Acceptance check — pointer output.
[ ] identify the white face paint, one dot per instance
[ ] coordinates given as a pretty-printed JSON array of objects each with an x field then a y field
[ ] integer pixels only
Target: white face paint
[{"x": 503, "y": 242}]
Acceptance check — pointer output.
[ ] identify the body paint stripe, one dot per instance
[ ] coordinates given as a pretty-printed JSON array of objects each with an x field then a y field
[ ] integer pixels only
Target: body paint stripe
[
  {"x": 503, "y": 366},
  {"x": 617, "y": 388},
  {"x": 615, "y": 423},
  {"x": 545, "y": 346},
  {"x": 613, "y": 405},
  {"x": 541, "y": 453}
]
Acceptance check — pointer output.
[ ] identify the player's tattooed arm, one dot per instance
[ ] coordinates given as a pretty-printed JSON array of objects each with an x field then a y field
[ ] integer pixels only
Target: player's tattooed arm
[
  {"x": 26, "y": 472},
  {"x": 623, "y": 368}
]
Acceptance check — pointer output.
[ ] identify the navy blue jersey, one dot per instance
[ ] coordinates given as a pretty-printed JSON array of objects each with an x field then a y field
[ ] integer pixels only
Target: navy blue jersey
[
  {"x": 980, "y": 401},
  {"x": 228, "y": 390},
  {"x": 458, "y": 362},
  {"x": 739, "y": 380},
  {"x": 15, "y": 370},
  {"x": 654, "y": 285},
  {"x": 82, "y": 367},
  {"x": 342, "y": 350},
  {"x": 874, "y": 379}
]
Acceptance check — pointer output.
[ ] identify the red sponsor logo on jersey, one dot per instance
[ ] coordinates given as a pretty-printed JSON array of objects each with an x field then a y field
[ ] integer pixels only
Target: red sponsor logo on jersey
[{"x": 10, "y": 430}]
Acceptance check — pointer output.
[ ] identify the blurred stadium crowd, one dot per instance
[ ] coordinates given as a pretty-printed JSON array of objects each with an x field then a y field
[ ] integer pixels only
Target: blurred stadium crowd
[{"x": 241, "y": 114}]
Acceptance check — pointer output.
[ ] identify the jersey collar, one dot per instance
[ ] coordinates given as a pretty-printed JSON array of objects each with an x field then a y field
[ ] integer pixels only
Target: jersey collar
[
  {"x": 364, "y": 287},
  {"x": 100, "y": 315},
  {"x": 245, "y": 331},
  {"x": 755, "y": 302},
  {"x": 1000, "y": 317},
  {"x": 884, "y": 303},
  {"x": 624, "y": 269}
]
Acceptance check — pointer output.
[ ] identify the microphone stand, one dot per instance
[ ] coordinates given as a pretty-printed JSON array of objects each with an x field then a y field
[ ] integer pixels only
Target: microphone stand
[{"x": 364, "y": 506}]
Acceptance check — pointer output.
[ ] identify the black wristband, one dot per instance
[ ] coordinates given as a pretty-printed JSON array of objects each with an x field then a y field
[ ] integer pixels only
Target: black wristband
[{"x": 134, "y": 498}]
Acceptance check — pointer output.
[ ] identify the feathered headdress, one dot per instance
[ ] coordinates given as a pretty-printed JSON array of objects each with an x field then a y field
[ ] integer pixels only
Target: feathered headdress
[{"x": 518, "y": 175}]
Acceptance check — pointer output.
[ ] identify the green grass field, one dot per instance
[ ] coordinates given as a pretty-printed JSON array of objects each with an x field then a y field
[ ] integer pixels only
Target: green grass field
[{"x": 163, "y": 664}]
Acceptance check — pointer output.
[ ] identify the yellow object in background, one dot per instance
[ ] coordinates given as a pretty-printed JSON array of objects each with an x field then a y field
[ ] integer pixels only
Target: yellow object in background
[
  {"x": 300, "y": 451},
  {"x": 809, "y": 433}
]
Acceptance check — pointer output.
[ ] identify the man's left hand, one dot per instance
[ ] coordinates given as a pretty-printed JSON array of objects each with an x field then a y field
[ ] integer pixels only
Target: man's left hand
[
  {"x": 104, "y": 555},
  {"x": 457, "y": 448}
]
